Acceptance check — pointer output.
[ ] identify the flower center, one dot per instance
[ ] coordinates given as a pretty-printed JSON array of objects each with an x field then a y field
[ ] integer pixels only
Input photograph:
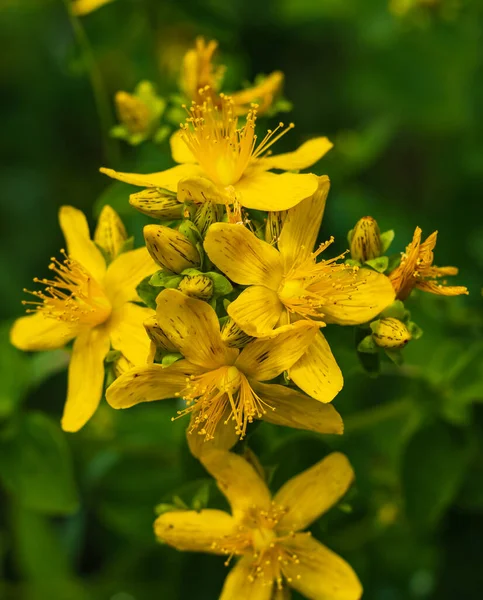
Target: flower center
[
  {"x": 222, "y": 148},
  {"x": 72, "y": 295},
  {"x": 263, "y": 539},
  {"x": 222, "y": 394}
]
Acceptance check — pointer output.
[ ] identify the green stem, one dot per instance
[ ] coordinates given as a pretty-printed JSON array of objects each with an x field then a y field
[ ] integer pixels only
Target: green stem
[{"x": 101, "y": 97}]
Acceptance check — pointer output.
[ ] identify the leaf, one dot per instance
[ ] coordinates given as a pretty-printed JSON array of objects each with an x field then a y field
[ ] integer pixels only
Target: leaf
[
  {"x": 379, "y": 264},
  {"x": 433, "y": 468},
  {"x": 35, "y": 465},
  {"x": 386, "y": 240},
  {"x": 147, "y": 292},
  {"x": 165, "y": 279}
]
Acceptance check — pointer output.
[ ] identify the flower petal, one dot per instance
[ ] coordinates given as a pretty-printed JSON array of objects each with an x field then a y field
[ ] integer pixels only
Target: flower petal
[
  {"x": 357, "y": 297},
  {"x": 194, "y": 531},
  {"x": 309, "y": 495},
  {"x": 224, "y": 436},
  {"x": 193, "y": 327},
  {"x": 241, "y": 584},
  {"x": 125, "y": 273},
  {"x": 86, "y": 377},
  {"x": 179, "y": 150},
  {"x": 302, "y": 224},
  {"x": 265, "y": 358},
  {"x": 317, "y": 372},
  {"x": 80, "y": 247},
  {"x": 294, "y": 409},
  {"x": 433, "y": 287},
  {"x": 305, "y": 156},
  {"x": 262, "y": 94},
  {"x": 256, "y": 310},
  {"x": 243, "y": 257},
  {"x": 238, "y": 481},
  {"x": 127, "y": 332},
  {"x": 267, "y": 191},
  {"x": 164, "y": 179},
  {"x": 200, "y": 190},
  {"x": 321, "y": 574},
  {"x": 40, "y": 332},
  {"x": 149, "y": 383}
]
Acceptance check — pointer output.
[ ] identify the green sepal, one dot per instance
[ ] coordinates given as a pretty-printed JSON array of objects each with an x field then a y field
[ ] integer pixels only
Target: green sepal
[
  {"x": 379, "y": 264},
  {"x": 415, "y": 331},
  {"x": 147, "y": 292},
  {"x": 226, "y": 303},
  {"x": 221, "y": 285},
  {"x": 201, "y": 498},
  {"x": 180, "y": 503},
  {"x": 396, "y": 310},
  {"x": 128, "y": 245},
  {"x": 165, "y": 279},
  {"x": 396, "y": 356},
  {"x": 368, "y": 345},
  {"x": 112, "y": 356},
  {"x": 352, "y": 263},
  {"x": 163, "y": 508},
  {"x": 386, "y": 240},
  {"x": 169, "y": 359}
]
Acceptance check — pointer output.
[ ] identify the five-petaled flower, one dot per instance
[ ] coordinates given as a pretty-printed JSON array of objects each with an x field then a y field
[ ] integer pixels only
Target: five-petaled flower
[
  {"x": 288, "y": 284},
  {"x": 211, "y": 145},
  {"x": 416, "y": 270},
  {"x": 92, "y": 303},
  {"x": 224, "y": 387},
  {"x": 267, "y": 534}
]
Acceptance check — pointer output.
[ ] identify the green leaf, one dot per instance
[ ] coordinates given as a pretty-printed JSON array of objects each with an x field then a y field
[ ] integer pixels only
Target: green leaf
[
  {"x": 165, "y": 279},
  {"x": 147, "y": 292},
  {"x": 379, "y": 264},
  {"x": 35, "y": 465},
  {"x": 415, "y": 331},
  {"x": 368, "y": 345},
  {"x": 221, "y": 285},
  {"x": 396, "y": 310},
  {"x": 396, "y": 356},
  {"x": 386, "y": 240},
  {"x": 433, "y": 468}
]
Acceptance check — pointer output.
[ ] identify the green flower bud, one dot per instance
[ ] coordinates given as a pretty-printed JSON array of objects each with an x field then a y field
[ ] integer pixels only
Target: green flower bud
[
  {"x": 170, "y": 249},
  {"x": 197, "y": 286},
  {"x": 365, "y": 240},
  {"x": 390, "y": 333},
  {"x": 157, "y": 203}
]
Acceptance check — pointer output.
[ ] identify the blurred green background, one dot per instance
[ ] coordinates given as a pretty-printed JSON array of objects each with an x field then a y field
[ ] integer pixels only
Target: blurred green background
[{"x": 399, "y": 89}]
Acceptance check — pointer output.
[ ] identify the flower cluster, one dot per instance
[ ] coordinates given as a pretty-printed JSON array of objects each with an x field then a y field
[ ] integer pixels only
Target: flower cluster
[{"x": 224, "y": 309}]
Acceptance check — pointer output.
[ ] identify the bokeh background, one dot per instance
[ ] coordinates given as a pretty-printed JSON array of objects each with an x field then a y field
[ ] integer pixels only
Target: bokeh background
[{"x": 398, "y": 87}]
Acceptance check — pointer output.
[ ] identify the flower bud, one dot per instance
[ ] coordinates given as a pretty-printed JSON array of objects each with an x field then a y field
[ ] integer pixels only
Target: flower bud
[
  {"x": 170, "y": 249},
  {"x": 110, "y": 232},
  {"x": 156, "y": 203},
  {"x": 133, "y": 113},
  {"x": 197, "y": 286},
  {"x": 157, "y": 335},
  {"x": 365, "y": 242},
  {"x": 390, "y": 333},
  {"x": 233, "y": 336}
]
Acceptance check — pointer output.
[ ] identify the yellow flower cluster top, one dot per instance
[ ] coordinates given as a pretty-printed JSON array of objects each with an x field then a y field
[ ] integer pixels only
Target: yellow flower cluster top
[{"x": 222, "y": 311}]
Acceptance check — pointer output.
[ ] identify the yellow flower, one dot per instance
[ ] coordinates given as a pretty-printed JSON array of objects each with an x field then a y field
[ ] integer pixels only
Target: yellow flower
[
  {"x": 222, "y": 384},
  {"x": 287, "y": 284},
  {"x": 267, "y": 534},
  {"x": 92, "y": 303},
  {"x": 84, "y": 7},
  {"x": 416, "y": 270},
  {"x": 200, "y": 76},
  {"x": 211, "y": 145}
]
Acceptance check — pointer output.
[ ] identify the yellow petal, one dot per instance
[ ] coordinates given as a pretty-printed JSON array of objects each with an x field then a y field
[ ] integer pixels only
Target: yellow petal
[
  {"x": 243, "y": 257},
  {"x": 293, "y": 409},
  {"x": 193, "y": 327},
  {"x": 256, "y": 310},
  {"x": 149, "y": 383},
  {"x": 357, "y": 298},
  {"x": 302, "y": 224},
  {"x": 262, "y": 94},
  {"x": 321, "y": 574},
  {"x": 266, "y": 358},
  {"x": 267, "y": 191},
  {"x": 179, "y": 150},
  {"x": 224, "y": 436},
  {"x": 317, "y": 372},
  {"x": 125, "y": 273},
  {"x": 309, "y": 495},
  {"x": 39, "y": 332},
  {"x": 127, "y": 332},
  {"x": 80, "y": 247},
  {"x": 164, "y": 179},
  {"x": 238, "y": 481},
  {"x": 110, "y": 232},
  {"x": 305, "y": 156},
  {"x": 199, "y": 190},
  {"x": 433, "y": 287},
  {"x": 194, "y": 531},
  {"x": 240, "y": 583},
  {"x": 170, "y": 249},
  {"x": 86, "y": 378}
]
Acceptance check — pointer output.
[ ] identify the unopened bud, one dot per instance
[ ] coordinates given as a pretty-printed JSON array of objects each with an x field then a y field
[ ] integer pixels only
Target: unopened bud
[
  {"x": 157, "y": 203},
  {"x": 273, "y": 227},
  {"x": 206, "y": 214},
  {"x": 390, "y": 333},
  {"x": 365, "y": 242},
  {"x": 110, "y": 232},
  {"x": 157, "y": 335},
  {"x": 133, "y": 113},
  {"x": 233, "y": 336},
  {"x": 197, "y": 286},
  {"x": 170, "y": 249}
]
